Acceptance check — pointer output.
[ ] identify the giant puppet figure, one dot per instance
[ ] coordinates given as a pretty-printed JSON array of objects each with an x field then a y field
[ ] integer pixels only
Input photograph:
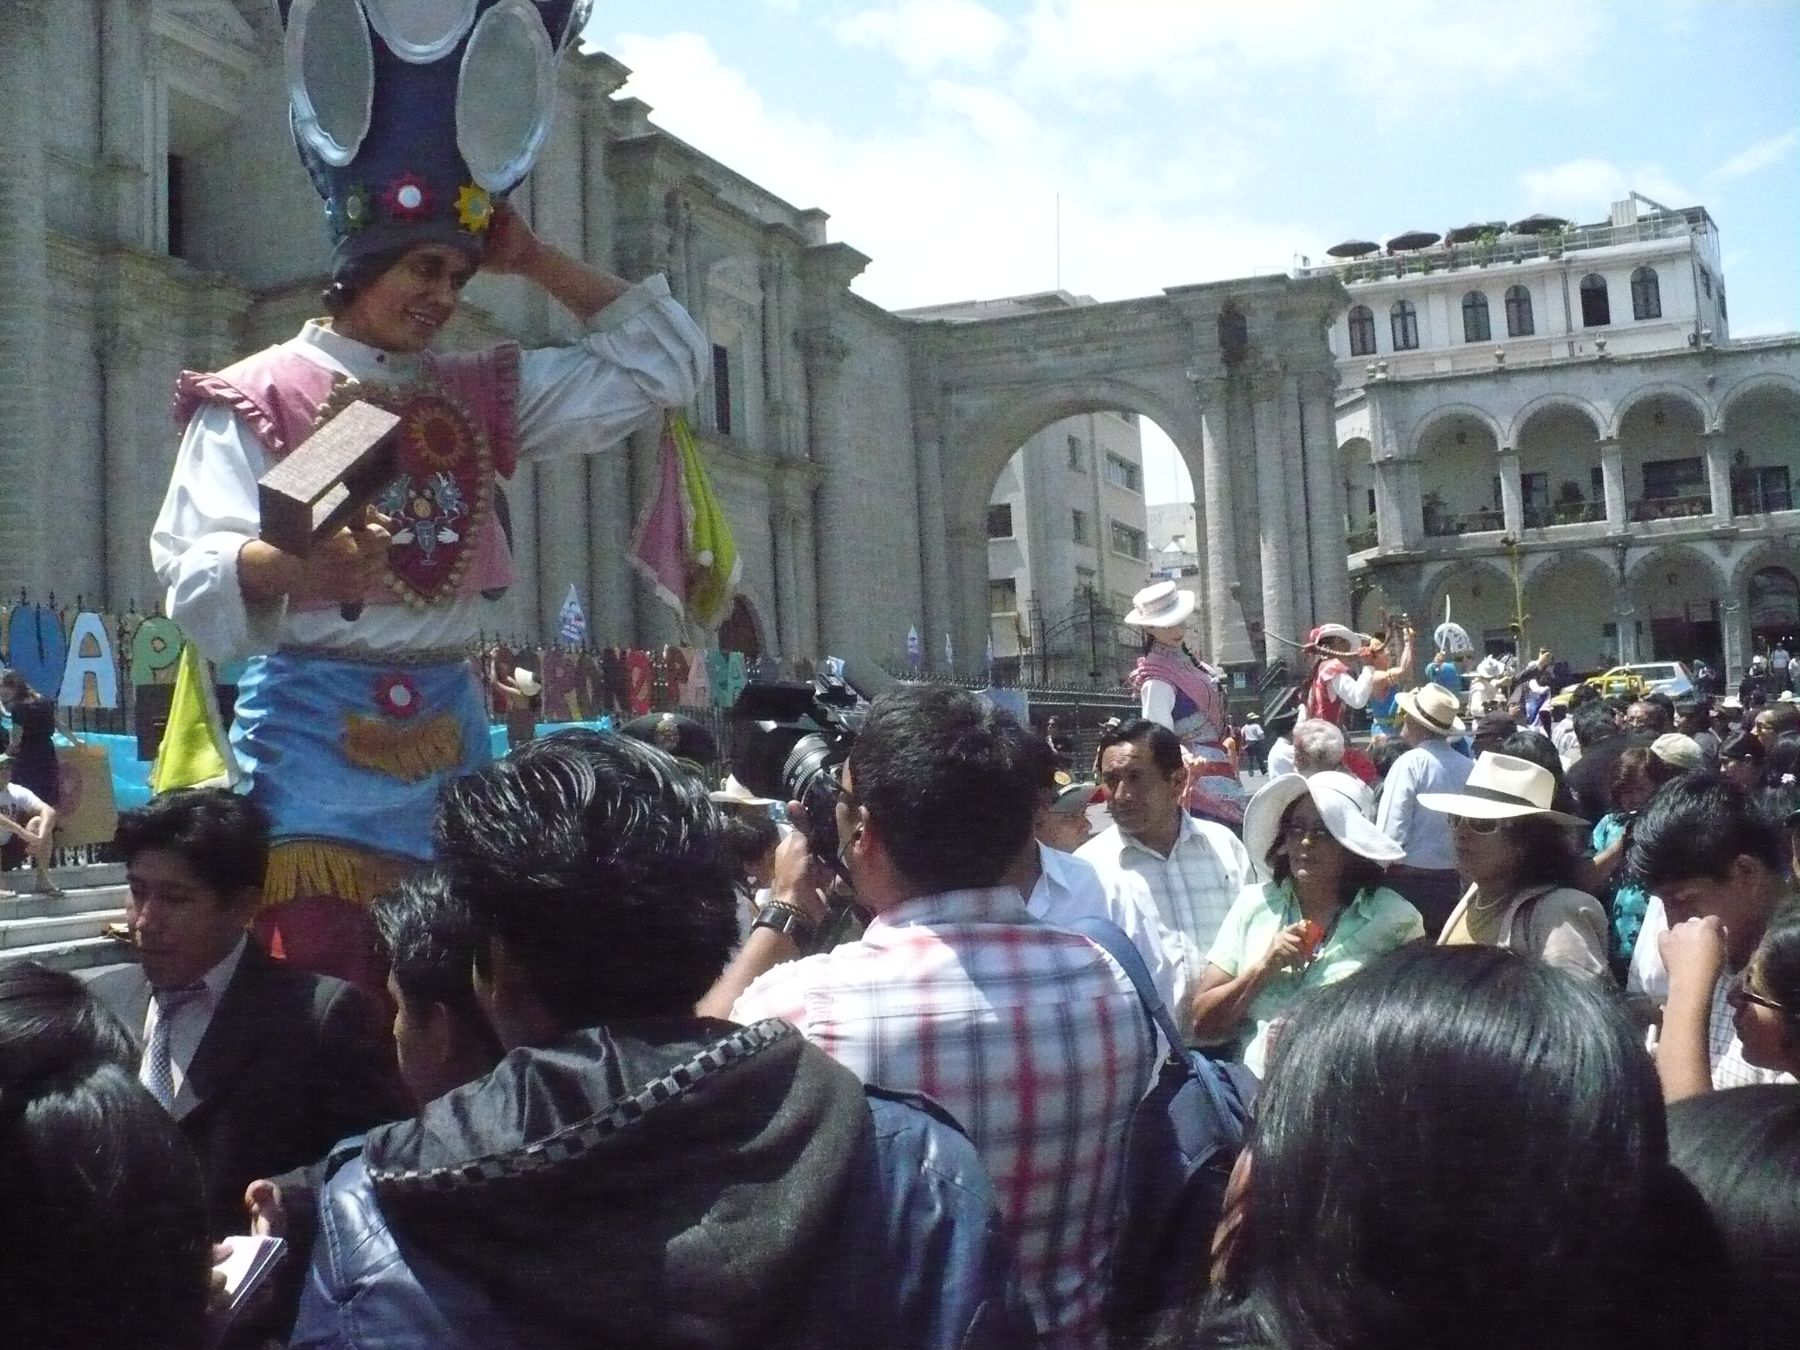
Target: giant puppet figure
[
  {"x": 1333, "y": 685},
  {"x": 414, "y": 118},
  {"x": 1178, "y": 690}
]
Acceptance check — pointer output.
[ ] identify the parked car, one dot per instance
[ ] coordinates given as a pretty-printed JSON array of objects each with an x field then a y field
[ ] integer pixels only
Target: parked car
[{"x": 1634, "y": 681}]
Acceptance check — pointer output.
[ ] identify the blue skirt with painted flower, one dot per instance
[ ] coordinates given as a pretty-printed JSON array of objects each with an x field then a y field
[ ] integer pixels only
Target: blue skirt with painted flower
[{"x": 355, "y": 751}]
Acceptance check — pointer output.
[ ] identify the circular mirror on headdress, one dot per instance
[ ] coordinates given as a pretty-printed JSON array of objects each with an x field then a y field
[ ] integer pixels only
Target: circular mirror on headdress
[
  {"x": 579, "y": 13},
  {"x": 421, "y": 30},
  {"x": 330, "y": 75},
  {"x": 505, "y": 94}
]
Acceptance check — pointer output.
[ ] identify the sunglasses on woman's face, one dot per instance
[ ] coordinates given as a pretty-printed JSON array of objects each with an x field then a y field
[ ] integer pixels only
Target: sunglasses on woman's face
[
  {"x": 1739, "y": 992},
  {"x": 1476, "y": 824}
]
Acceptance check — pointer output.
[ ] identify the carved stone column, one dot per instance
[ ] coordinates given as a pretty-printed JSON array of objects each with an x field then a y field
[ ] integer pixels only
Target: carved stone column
[
  {"x": 838, "y": 505},
  {"x": 1718, "y": 475},
  {"x": 1325, "y": 492},
  {"x": 25, "y": 467},
  {"x": 1512, "y": 491},
  {"x": 1225, "y": 626},
  {"x": 1612, "y": 477},
  {"x": 1298, "y": 498},
  {"x": 610, "y": 617},
  {"x": 128, "y": 183},
  {"x": 1273, "y": 486},
  {"x": 1734, "y": 623}
]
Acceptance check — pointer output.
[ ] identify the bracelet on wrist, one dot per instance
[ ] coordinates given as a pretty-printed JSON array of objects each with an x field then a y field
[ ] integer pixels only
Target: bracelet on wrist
[{"x": 788, "y": 920}]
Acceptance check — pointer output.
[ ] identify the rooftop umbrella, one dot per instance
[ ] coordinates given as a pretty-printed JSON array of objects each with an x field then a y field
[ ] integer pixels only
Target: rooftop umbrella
[
  {"x": 1412, "y": 239},
  {"x": 1352, "y": 248},
  {"x": 1466, "y": 234},
  {"x": 1538, "y": 224}
]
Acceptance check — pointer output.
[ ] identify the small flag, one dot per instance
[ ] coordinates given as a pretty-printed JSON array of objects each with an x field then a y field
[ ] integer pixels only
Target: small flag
[
  {"x": 571, "y": 622},
  {"x": 915, "y": 649},
  {"x": 194, "y": 752}
]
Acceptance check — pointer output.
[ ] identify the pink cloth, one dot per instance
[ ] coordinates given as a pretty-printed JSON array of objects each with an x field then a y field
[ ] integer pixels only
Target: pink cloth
[
  {"x": 1176, "y": 668},
  {"x": 278, "y": 394}
]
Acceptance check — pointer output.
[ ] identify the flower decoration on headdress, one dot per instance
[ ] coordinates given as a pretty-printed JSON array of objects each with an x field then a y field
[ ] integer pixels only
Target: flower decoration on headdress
[
  {"x": 396, "y": 695},
  {"x": 408, "y": 198},
  {"x": 474, "y": 208}
]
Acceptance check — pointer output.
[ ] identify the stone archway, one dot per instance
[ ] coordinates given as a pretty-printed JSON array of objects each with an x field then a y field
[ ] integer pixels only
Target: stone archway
[
  {"x": 1481, "y": 600},
  {"x": 1240, "y": 377},
  {"x": 1569, "y": 609},
  {"x": 1676, "y": 596}
]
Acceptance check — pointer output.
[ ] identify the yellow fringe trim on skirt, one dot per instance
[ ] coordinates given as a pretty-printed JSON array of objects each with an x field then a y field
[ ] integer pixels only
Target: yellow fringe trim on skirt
[
  {"x": 401, "y": 750},
  {"x": 306, "y": 867}
]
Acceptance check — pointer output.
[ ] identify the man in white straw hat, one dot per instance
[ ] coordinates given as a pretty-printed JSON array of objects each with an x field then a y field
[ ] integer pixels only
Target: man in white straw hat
[
  {"x": 1428, "y": 876},
  {"x": 1177, "y": 690}
]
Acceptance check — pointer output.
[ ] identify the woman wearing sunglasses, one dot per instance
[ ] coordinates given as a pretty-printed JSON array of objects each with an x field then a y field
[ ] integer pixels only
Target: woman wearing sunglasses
[
  {"x": 1522, "y": 862},
  {"x": 1320, "y": 914},
  {"x": 1764, "y": 998}
]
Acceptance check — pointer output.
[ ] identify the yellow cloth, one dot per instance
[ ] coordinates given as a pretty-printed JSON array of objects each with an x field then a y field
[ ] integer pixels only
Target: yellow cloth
[
  {"x": 193, "y": 752},
  {"x": 714, "y": 568}
]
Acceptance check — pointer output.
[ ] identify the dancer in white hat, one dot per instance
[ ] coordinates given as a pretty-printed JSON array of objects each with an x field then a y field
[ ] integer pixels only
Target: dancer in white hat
[{"x": 1178, "y": 690}]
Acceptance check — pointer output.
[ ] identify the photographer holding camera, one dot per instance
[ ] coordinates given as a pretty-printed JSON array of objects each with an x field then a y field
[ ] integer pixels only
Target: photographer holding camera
[{"x": 1029, "y": 1035}]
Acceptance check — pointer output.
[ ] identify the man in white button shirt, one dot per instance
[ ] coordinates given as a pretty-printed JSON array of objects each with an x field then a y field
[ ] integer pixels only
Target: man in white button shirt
[
  {"x": 265, "y": 1067},
  {"x": 1192, "y": 868}
]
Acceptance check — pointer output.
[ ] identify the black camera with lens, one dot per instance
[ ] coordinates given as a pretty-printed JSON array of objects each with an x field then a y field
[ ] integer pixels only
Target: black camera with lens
[{"x": 798, "y": 738}]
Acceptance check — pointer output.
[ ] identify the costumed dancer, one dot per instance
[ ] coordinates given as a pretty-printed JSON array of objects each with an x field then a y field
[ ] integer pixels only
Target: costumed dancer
[
  {"x": 1178, "y": 690},
  {"x": 345, "y": 728},
  {"x": 1332, "y": 685}
]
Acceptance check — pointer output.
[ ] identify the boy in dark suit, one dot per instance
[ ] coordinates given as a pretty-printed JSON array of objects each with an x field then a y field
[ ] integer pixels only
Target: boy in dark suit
[{"x": 263, "y": 1066}]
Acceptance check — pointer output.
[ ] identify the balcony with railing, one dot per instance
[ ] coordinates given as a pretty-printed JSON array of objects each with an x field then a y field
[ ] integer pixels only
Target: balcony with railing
[{"x": 1686, "y": 507}]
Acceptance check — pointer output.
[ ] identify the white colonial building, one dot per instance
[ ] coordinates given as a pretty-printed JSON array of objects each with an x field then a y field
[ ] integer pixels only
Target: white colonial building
[{"x": 1553, "y": 430}]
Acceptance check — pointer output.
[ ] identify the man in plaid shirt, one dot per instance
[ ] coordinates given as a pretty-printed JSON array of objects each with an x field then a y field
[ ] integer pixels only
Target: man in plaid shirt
[
  {"x": 1029, "y": 1035},
  {"x": 1706, "y": 852}
]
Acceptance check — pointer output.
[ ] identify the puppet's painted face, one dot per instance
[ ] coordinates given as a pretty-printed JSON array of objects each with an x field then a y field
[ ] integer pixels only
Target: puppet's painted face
[{"x": 403, "y": 309}]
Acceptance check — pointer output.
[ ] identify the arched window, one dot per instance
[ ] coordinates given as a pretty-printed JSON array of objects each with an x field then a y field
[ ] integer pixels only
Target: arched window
[
  {"x": 1404, "y": 320},
  {"x": 1518, "y": 312},
  {"x": 1475, "y": 318},
  {"x": 1596, "y": 309},
  {"x": 1362, "y": 331},
  {"x": 1646, "y": 294}
]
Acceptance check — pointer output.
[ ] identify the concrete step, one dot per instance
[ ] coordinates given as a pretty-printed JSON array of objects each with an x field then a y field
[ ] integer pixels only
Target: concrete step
[
  {"x": 78, "y": 954},
  {"x": 72, "y": 901},
  {"x": 50, "y": 930}
]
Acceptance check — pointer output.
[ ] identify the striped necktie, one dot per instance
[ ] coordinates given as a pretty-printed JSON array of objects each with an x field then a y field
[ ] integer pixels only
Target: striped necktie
[{"x": 159, "y": 1070}]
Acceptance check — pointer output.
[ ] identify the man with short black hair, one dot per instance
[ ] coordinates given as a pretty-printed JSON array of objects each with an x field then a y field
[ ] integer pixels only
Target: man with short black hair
[
  {"x": 1711, "y": 859},
  {"x": 629, "y": 1173},
  {"x": 1589, "y": 780},
  {"x": 1194, "y": 868},
  {"x": 1029, "y": 1035},
  {"x": 264, "y": 1066}
]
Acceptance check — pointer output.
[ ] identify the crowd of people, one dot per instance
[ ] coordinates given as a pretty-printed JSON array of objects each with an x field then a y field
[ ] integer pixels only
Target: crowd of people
[{"x": 630, "y": 1095}]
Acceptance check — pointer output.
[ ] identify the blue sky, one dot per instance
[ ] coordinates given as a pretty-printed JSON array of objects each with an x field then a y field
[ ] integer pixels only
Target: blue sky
[{"x": 1190, "y": 140}]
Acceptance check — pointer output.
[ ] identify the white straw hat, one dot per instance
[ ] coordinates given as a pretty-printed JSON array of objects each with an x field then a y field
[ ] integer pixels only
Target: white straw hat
[
  {"x": 1162, "y": 605},
  {"x": 1502, "y": 787},
  {"x": 1344, "y": 803},
  {"x": 1433, "y": 707}
]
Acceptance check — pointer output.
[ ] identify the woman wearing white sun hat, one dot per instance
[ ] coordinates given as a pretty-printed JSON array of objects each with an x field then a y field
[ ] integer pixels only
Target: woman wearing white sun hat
[
  {"x": 1522, "y": 862},
  {"x": 1320, "y": 914},
  {"x": 1178, "y": 690}
]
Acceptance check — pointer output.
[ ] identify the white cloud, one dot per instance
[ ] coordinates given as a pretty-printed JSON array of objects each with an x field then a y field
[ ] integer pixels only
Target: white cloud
[
  {"x": 949, "y": 206},
  {"x": 1399, "y": 58},
  {"x": 1765, "y": 154},
  {"x": 1582, "y": 189},
  {"x": 929, "y": 34}
]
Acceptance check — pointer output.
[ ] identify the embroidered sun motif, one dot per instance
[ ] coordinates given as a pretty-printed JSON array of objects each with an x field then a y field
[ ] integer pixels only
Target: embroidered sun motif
[
  {"x": 396, "y": 695},
  {"x": 436, "y": 435},
  {"x": 474, "y": 208},
  {"x": 408, "y": 198}
]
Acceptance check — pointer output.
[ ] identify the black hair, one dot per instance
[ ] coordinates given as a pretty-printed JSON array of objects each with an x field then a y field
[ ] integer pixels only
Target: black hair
[
  {"x": 1777, "y": 959},
  {"x": 947, "y": 786},
  {"x": 1664, "y": 705},
  {"x": 1164, "y": 745},
  {"x": 427, "y": 936},
  {"x": 14, "y": 686},
  {"x": 749, "y": 835},
  {"x": 1582, "y": 695},
  {"x": 1384, "y": 752},
  {"x": 356, "y": 275},
  {"x": 1782, "y": 759},
  {"x": 1741, "y": 1150},
  {"x": 1038, "y": 759},
  {"x": 1593, "y": 722},
  {"x": 601, "y": 864},
  {"x": 221, "y": 835},
  {"x": 1694, "y": 827},
  {"x": 1742, "y": 745},
  {"x": 103, "y": 1224},
  {"x": 1547, "y": 850},
  {"x": 1490, "y": 1171},
  {"x": 48, "y": 1017},
  {"x": 1359, "y": 873}
]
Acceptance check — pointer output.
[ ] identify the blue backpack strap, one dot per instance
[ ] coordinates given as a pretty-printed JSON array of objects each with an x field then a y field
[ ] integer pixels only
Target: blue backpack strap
[{"x": 1111, "y": 939}]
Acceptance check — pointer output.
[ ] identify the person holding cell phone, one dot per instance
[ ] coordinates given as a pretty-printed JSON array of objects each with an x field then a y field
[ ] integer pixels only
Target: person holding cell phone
[{"x": 1320, "y": 913}]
